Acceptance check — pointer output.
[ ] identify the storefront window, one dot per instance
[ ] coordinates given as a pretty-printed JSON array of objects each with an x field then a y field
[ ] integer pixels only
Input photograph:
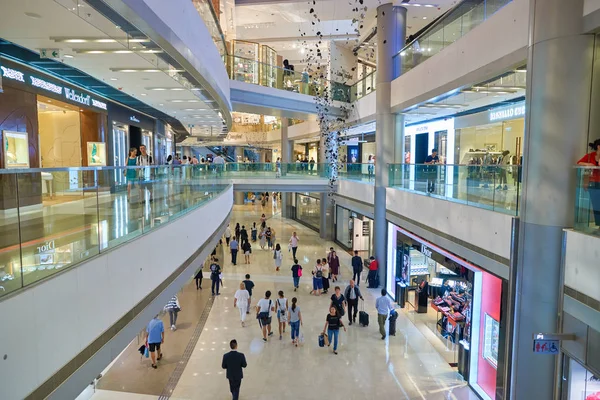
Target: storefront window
[
  {"x": 308, "y": 210},
  {"x": 354, "y": 231},
  {"x": 583, "y": 385}
]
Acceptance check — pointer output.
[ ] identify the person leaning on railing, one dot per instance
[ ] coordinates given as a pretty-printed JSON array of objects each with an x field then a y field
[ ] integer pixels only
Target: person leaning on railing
[{"x": 591, "y": 179}]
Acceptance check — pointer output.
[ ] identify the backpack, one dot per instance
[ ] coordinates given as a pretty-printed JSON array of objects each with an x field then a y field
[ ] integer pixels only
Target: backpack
[
  {"x": 319, "y": 273},
  {"x": 214, "y": 272}
]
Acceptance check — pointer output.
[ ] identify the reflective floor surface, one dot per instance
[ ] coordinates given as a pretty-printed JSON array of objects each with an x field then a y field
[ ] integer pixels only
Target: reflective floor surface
[{"x": 405, "y": 366}]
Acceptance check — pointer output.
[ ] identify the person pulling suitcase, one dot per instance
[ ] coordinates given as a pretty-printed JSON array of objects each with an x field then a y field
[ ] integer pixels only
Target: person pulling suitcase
[
  {"x": 363, "y": 316},
  {"x": 392, "y": 322}
]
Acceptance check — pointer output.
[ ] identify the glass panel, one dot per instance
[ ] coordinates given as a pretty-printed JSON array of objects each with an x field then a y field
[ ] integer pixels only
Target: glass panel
[
  {"x": 10, "y": 247},
  {"x": 587, "y": 195}
]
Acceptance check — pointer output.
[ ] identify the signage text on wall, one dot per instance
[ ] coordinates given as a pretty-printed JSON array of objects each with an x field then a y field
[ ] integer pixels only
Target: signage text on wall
[{"x": 501, "y": 114}]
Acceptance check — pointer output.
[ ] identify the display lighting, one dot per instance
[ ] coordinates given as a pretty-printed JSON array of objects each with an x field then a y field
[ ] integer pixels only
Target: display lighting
[{"x": 98, "y": 40}]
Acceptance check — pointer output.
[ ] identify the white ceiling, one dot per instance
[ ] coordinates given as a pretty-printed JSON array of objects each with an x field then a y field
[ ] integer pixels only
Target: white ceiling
[
  {"x": 281, "y": 25},
  {"x": 38, "y": 24}
]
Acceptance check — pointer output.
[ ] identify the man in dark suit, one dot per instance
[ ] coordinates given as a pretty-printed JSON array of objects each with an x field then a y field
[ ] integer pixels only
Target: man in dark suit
[{"x": 233, "y": 362}]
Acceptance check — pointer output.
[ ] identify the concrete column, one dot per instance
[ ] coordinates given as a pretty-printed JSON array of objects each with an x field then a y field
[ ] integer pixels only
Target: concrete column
[
  {"x": 559, "y": 68},
  {"x": 391, "y": 33},
  {"x": 326, "y": 225},
  {"x": 238, "y": 197},
  {"x": 286, "y": 148}
]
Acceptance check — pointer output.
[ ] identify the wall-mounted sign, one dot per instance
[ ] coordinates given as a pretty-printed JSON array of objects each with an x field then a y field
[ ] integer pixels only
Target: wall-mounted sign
[
  {"x": 10, "y": 73},
  {"x": 510, "y": 112},
  {"x": 70, "y": 94},
  {"x": 46, "y": 247},
  {"x": 50, "y": 53},
  {"x": 425, "y": 250},
  {"x": 134, "y": 119}
]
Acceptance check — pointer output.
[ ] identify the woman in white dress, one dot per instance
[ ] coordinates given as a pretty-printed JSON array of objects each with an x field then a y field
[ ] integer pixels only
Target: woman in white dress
[
  {"x": 240, "y": 301},
  {"x": 281, "y": 307},
  {"x": 277, "y": 256}
]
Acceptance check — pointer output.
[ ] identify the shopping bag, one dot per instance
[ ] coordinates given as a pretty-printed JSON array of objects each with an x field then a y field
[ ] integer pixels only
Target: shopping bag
[
  {"x": 299, "y": 272},
  {"x": 301, "y": 338},
  {"x": 146, "y": 352}
]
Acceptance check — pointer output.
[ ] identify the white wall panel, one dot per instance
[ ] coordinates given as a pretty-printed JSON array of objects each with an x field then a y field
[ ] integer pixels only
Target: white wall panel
[
  {"x": 45, "y": 326},
  {"x": 356, "y": 190},
  {"x": 488, "y": 230},
  {"x": 491, "y": 48},
  {"x": 581, "y": 263}
]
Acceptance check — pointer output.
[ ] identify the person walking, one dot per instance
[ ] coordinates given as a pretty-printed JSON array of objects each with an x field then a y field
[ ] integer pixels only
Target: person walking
[
  {"x": 383, "y": 305},
  {"x": 352, "y": 294},
  {"x": 273, "y": 237},
  {"x": 243, "y": 234},
  {"x": 326, "y": 273},
  {"x": 155, "y": 336},
  {"x": 431, "y": 170},
  {"x": 247, "y": 249},
  {"x": 357, "y": 267},
  {"x": 233, "y": 247},
  {"x": 249, "y": 286},
  {"x": 227, "y": 234},
  {"x": 338, "y": 301},
  {"x": 263, "y": 218},
  {"x": 334, "y": 266},
  {"x": 237, "y": 231},
  {"x": 131, "y": 173},
  {"x": 295, "y": 321},
  {"x": 372, "y": 277},
  {"x": 333, "y": 322},
  {"x": 296, "y": 273},
  {"x": 263, "y": 238},
  {"x": 268, "y": 235},
  {"x": 254, "y": 232},
  {"x": 277, "y": 256},
  {"x": 317, "y": 279},
  {"x": 215, "y": 276},
  {"x": 294, "y": 244},
  {"x": 173, "y": 309},
  {"x": 240, "y": 300},
  {"x": 198, "y": 278},
  {"x": 263, "y": 314},
  {"x": 234, "y": 362},
  {"x": 281, "y": 305}
]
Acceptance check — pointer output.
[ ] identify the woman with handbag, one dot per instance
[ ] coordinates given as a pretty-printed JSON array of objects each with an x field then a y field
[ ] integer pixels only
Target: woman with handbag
[
  {"x": 296, "y": 273},
  {"x": 173, "y": 308},
  {"x": 277, "y": 256},
  {"x": 338, "y": 301},
  {"x": 282, "y": 306},
  {"x": 333, "y": 322}
]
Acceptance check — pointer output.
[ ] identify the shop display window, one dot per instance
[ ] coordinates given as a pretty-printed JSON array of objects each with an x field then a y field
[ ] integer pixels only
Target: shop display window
[
  {"x": 16, "y": 149},
  {"x": 583, "y": 385},
  {"x": 490, "y": 340},
  {"x": 96, "y": 152}
]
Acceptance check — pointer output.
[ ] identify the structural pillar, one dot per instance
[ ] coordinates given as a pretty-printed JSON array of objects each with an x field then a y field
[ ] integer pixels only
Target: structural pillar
[
  {"x": 559, "y": 69},
  {"x": 391, "y": 33},
  {"x": 238, "y": 196},
  {"x": 326, "y": 224},
  {"x": 286, "y": 155}
]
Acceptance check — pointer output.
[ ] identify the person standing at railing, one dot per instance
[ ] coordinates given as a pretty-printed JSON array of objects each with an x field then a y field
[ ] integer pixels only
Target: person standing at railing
[
  {"x": 145, "y": 160},
  {"x": 312, "y": 164},
  {"x": 591, "y": 179},
  {"x": 431, "y": 170},
  {"x": 503, "y": 161},
  {"x": 371, "y": 166},
  {"x": 131, "y": 172},
  {"x": 219, "y": 163},
  {"x": 278, "y": 168}
]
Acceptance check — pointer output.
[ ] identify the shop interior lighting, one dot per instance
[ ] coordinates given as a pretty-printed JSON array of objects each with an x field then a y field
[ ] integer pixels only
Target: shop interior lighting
[
  {"x": 97, "y": 40},
  {"x": 421, "y": 5}
]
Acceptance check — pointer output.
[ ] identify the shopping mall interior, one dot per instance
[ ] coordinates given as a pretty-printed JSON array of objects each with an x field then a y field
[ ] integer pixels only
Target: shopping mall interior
[{"x": 248, "y": 198}]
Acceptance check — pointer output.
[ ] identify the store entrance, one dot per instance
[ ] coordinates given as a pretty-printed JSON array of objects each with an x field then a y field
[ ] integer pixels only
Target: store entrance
[
  {"x": 120, "y": 150},
  {"x": 421, "y": 150}
]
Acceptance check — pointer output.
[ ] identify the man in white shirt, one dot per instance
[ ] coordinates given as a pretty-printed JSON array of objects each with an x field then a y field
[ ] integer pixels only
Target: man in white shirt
[
  {"x": 227, "y": 234},
  {"x": 145, "y": 160},
  {"x": 264, "y": 307},
  {"x": 219, "y": 163},
  {"x": 294, "y": 243}
]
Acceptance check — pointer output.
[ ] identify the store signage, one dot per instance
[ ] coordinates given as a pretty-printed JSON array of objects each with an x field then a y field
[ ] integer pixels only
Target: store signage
[
  {"x": 134, "y": 119},
  {"x": 13, "y": 74},
  {"x": 505, "y": 113},
  {"x": 42, "y": 84},
  {"x": 423, "y": 128},
  {"x": 425, "y": 250},
  {"x": 46, "y": 247},
  {"x": 70, "y": 94},
  {"x": 545, "y": 346}
]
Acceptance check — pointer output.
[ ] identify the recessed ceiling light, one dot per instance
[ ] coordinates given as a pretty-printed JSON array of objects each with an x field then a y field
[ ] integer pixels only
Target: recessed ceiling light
[
  {"x": 76, "y": 41},
  {"x": 424, "y": 17},
  {"x": 33, "y": 15},
  {"x": 105, "y": 40},
  {"x": 96, "y": 52},
  {"x": 68, "y": 56},
  {"x": 113, "y": 79},
  {"x": 123, "y": 51},
  {"x": 143, "y": 94}
]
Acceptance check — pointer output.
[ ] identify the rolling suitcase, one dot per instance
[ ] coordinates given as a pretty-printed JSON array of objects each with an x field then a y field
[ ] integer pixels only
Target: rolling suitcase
[
  {"x": 392, "y": 325},
  {"x": 363, "y": 317}
]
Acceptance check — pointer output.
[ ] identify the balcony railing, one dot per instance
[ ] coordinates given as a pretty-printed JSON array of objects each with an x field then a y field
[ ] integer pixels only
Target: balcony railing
[
  {"x": 587, "y": 200},
  {"x": 357, "y": 172},
  {"x": 456, "y": 23},
  {"x": 493, "y": 187},
  {"x": 363, "y": 87},
  {"x": 54, "y": 219},
  {"x": 258, "y": 73}
]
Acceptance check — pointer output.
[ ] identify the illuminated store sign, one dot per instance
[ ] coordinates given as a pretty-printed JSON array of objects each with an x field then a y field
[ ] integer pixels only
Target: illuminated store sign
[
  {"x": 70, "y": 94},
  {"x": 511, "y": 112},
  {"x": 134, "y": 119},
  {"x": 13, "y": 74}
]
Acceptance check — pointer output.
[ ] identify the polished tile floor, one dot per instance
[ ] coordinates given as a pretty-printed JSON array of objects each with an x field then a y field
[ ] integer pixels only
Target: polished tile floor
[{"x": 405, "y": 366}]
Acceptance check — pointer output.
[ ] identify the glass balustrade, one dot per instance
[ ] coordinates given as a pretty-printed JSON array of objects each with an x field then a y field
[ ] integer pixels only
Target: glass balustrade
[
  {"x": 54, "y": 219},
  {"x": 493, "y": 187},
  {"x": 357, "y": 172},
  {"x": 363, "y": 87},
  {"x": 587, "y": 214},
  {"x": 456, "y": 23},
  {"x": 258, "y": 73},
  {"x": 207, "y": 12}
]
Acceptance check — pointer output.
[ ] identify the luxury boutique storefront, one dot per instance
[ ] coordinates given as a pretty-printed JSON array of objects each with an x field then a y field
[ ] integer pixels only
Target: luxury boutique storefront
[
  {"x": 353, "y": 231},
  {"x": 456, "y": 301}
]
